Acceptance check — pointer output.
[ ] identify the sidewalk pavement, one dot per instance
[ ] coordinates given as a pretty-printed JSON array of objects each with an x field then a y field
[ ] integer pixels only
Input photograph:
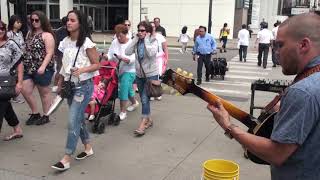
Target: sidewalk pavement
[
  {"x": 106, "y": 38},
  {"x": 184, "y": 135}
]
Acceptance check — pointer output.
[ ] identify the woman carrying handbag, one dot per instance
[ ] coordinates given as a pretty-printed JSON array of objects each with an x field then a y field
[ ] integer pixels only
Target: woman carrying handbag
[
  {"x": 10, "y": 55},
  {"x": 79, "y": 64},
  {"x": 145, "y": 47}
]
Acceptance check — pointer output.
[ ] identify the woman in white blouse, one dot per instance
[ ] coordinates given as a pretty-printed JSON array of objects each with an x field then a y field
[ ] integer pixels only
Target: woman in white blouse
[
  {"x": 86, "y": 66},
  {"x": 127, "y": 69}
]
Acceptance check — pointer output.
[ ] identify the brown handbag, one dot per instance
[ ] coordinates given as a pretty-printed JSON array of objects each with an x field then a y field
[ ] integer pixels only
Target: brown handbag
[{"x": 153, "y": 87}]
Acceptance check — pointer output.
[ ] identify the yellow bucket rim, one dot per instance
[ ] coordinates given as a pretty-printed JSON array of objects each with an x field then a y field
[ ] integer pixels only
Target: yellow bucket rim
[
  {"x": 220, "y": 174},
  {"x": 207, "y": 169},
  {"x": 208, "y": 176}
]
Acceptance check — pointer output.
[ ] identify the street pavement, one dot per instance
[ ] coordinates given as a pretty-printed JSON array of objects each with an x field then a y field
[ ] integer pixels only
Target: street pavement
[{"x": 184, "y": 135}]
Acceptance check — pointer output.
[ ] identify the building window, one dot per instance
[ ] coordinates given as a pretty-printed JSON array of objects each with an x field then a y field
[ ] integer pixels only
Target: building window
[
  {"x": 34, "y": 7},
  {"x": 290, "y": 7},
  {"x": 54, "y": 12}
]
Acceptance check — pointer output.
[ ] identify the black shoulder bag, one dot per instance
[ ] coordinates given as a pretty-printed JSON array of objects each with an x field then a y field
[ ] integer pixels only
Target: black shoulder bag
[
  {"x": 153, "y": 87},
  {"x": 8, "y": 82},
  {"x": 68, "y": 86}
]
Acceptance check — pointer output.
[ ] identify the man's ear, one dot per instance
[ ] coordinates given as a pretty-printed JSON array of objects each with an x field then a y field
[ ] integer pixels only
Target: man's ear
[{"x": 305, "y": 45}]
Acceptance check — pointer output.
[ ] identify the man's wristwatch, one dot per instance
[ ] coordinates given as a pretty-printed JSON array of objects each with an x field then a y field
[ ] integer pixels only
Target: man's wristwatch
[{"x": 228, "y": 131}]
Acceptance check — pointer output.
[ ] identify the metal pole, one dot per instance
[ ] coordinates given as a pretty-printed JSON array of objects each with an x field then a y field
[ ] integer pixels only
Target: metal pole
[
  {"x": 140, "y": 10},
  {"x": 8, "y": 7},
  {"x": 210, "y": 16}
]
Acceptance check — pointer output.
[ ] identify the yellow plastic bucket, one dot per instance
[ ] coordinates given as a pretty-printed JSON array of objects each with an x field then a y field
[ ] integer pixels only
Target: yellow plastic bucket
[{"x": 220, "y": 169}]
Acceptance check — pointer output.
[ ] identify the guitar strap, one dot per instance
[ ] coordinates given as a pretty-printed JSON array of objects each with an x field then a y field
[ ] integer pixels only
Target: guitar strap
[{"x": 299, "y": 77}]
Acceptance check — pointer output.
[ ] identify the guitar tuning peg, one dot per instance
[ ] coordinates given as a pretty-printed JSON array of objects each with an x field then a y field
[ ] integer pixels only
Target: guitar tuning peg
[
  {"x": 190, "y": 75},
  {"x": 179, "y": 70},
  {"x": 184, "y": 73}
]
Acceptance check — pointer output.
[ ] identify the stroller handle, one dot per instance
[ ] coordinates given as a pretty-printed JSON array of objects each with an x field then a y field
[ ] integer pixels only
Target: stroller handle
[{"x": 109, "y": 67}]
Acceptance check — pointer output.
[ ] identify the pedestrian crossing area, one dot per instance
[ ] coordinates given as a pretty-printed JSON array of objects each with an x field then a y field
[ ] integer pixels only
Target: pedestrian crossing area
[{"x": 238, "y": 79}]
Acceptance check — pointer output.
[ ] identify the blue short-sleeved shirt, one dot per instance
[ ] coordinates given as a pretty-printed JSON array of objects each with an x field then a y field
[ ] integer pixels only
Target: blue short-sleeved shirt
[{"x": 298, "y": 123}]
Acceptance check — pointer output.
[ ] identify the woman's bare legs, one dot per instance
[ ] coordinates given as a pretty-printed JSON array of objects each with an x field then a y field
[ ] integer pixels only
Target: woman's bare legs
[{"x": 27, "y": 92}]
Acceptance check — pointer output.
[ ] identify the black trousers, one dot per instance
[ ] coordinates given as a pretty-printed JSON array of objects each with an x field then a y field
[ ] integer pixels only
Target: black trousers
[
  {"x": 203, "y": 58},
  {"x": 263, "y": 49},
  {"x": 7, "y": 112},
  {"x": 274, "y": 57},
  {"x": 243, "y": 52}
]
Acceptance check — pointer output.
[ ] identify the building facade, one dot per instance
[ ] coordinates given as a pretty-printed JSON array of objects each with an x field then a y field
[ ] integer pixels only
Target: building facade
[
  {"x": 174, "y": 14},
  {"x": 273, "y": 10}
]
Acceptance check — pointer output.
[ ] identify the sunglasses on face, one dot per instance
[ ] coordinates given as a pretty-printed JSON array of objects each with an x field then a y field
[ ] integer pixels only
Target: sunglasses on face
[
  {"x": 141, "y": 30},
  {"x": 127, "y": 24},
  {"x": 35, "y": 20}
]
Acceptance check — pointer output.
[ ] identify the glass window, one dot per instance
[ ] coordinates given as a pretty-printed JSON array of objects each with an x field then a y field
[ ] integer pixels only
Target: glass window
[
  {"x": 117, "y": 16},
  {"x": 54, "y": 12},
  {"x": 54, "y": 1},
  {"x": 118, "y": 2},
  {"x": 36, "y": 1},
  {"x": 33, "y": 7}
]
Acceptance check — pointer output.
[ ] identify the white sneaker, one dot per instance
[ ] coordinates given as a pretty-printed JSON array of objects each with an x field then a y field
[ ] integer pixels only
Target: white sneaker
[
  {"x": 159, "y": 98},
  {"x": 152, "y": 99},
  {"x": 181, "y": 51},
  {"x": 133, "y": 107},
  {"x": 122, "y": 116},
  {"x": 91, "y": 117},
  {"x": 54, "y": 89}
]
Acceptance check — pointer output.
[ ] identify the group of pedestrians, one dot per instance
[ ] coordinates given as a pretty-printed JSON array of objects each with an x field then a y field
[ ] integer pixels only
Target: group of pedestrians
[{"x": 142, "y": 56}]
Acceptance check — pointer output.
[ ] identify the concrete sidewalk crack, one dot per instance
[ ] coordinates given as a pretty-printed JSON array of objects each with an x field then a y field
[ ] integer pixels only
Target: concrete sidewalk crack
[{"x": 188, "y": 155}]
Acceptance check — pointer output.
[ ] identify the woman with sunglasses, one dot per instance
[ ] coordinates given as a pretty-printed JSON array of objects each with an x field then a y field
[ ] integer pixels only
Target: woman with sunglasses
[
  {"x": 38, "y": 66},
  {"x": 145, "y": 48},
  {"x": 78, "y": 48},
  {"x": 129, "y": 35},
  {"x": 10, "y": 55}
]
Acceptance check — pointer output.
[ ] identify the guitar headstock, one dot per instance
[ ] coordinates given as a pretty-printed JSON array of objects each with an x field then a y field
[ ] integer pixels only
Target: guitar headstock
[{"x": 180, "y": 80}]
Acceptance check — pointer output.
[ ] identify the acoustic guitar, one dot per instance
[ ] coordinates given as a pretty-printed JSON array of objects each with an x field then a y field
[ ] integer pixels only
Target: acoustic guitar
[{"x": 262, "y": 126}]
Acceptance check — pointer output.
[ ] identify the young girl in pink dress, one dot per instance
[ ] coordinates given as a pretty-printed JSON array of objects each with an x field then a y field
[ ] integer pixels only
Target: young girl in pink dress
[{"x": 98, "y": 93}]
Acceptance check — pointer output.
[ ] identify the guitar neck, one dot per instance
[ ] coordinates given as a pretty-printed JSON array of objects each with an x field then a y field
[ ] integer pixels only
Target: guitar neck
[{"x": 235, "y": 112}]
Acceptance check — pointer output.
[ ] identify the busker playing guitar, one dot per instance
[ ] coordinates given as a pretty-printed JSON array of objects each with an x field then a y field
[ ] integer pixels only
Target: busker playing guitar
[{"x": 292, "y": 149}]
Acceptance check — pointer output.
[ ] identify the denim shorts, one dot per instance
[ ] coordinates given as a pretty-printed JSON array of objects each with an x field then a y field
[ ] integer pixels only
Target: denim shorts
[{"x": 40, "y": 79}]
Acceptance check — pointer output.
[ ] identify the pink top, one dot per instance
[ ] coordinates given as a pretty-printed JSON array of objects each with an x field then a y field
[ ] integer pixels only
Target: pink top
[{"x": 97, "y": 93}]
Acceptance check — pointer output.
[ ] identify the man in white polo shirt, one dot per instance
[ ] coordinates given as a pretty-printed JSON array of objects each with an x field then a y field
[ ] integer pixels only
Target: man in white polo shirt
[
  {"x": 243, "y": 37},
  {"x": 264, "y": 38}
]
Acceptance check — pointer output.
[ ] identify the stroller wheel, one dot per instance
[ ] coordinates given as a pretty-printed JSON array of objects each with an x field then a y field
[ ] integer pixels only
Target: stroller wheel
[
  {"x": 116, "y": 121},
  {"x": 94, "y": 128},
  {"x": 101, "y": 127},
  {"x": 111, "y": 119}
]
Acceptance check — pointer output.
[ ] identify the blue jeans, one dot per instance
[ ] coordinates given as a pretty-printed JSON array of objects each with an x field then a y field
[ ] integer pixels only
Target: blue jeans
[
  {"x": 76, "y": 125},
  {"x": 145, "y": 100}
]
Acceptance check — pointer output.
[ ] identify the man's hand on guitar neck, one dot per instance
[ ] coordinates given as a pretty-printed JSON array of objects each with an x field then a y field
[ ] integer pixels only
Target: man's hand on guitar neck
[{"x": 220, "y": 114}]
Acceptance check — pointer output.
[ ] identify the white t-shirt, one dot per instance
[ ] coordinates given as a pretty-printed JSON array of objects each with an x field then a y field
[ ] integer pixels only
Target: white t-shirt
[
  {"x": 119, "y": 49},
  {"x": 160, "y": 38},
  {"x": 184, "y": 38},
  {"x": 275, "y": 32},
  {"x": 265, "y": 36},
  {"x": 69, "y": 50},
  {"x": 243, "y": 37}
]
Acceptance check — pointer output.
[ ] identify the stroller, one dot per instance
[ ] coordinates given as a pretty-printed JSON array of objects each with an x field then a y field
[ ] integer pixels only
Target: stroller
[
  {"x": 104, "y": 110},
  {"x": 218, "y": 67}
]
